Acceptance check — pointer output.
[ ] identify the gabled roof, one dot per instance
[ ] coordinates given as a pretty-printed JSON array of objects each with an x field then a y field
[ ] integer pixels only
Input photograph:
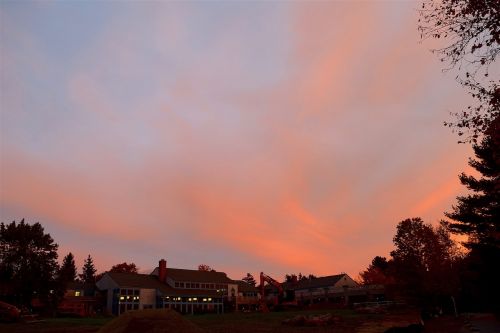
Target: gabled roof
[
  {"x": 192, "y": 275},
  {"x": 132, "y": 280},
  {"x": 147, "y": 281},
  {"x": 319, "y": 282}
]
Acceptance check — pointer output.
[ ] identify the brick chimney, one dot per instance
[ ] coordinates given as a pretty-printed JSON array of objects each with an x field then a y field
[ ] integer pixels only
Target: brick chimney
[{"x": 162, "y": 271}]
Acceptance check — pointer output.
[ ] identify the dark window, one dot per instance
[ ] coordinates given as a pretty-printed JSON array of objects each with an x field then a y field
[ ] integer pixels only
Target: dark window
[
  {"x": 177, "y": 285},
  {"x": 136, "y": 292},
  {"x": 197, "y": 285},
  {"x": 181, "y": 284},
  {"x": 136, "y": 306}
]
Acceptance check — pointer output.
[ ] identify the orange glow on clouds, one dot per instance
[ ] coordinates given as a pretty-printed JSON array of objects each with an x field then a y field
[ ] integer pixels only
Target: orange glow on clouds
[{"x": 296, "y": 146}]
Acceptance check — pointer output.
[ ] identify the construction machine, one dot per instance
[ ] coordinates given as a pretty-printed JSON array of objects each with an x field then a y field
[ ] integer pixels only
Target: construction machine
[{"x": 276, "y": 302}]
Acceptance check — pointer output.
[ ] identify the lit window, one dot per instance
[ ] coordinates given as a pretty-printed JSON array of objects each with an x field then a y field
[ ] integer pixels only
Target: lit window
[
  {"x": 122, "y": 298},
  {"x": 210, "y": 300},
  {"x": 77, "y": 293}
]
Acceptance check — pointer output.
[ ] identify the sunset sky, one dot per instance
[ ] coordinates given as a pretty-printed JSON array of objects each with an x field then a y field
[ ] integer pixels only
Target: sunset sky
[{"x": 253, "y": 136}]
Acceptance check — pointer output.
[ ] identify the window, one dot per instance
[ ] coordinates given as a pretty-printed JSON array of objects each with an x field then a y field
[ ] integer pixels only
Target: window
[
  {"x": 197, "y": 285},
  {"x": 77, "y": 293},
  {"x": 177, "y": 285}
]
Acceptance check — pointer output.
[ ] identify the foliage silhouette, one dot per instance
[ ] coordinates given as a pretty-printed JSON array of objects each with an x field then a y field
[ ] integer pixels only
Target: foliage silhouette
[
  {"x": 203, "y": 267},
  {"x": 472, "y": 30},
  {"x": 249, "y": 279},
  {"x": 28, "y": 260},
  {"x": 88, "y": 271},
  {"x": 124, "y": 268}
]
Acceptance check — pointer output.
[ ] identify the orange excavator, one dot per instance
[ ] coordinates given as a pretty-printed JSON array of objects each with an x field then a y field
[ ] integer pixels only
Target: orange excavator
[{"x": 276, "y": 301}]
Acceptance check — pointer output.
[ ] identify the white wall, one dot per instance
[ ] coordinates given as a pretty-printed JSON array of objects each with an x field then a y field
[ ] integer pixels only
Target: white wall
[{"x": 147, "y": 297}]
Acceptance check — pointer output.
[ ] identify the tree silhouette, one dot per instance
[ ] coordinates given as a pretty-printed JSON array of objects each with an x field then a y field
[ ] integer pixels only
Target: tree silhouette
[
  {"x": 27, "y": 260},
  {"x": 88, "y": 271},
  {"x": 377, "y": 272},
  {"x": 67, "y": 272},
  {"x": 472, "y": 29},
  {"x": 203, "y": 267},
  {"x": 423, "y": 261},
  {"x": 124, "y": 268},
  {"x": 249, "y": 279},
  {"x": 477, "y": 214}
]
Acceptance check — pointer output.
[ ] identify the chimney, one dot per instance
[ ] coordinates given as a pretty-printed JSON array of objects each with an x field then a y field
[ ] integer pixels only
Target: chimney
[{"x": 162, "y": 271}]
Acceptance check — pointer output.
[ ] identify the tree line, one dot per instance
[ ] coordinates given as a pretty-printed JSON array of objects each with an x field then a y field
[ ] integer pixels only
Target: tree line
[{"x": 29, "y": 267}]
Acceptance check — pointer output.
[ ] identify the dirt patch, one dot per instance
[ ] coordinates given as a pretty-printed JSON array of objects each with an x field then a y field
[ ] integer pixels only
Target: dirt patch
[{"x": 154, "y": 321}]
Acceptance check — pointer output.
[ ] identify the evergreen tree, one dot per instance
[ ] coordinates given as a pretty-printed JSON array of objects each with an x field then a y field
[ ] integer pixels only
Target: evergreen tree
[
  {"x": 88, "y": 271},
  {"x": 67, "y": 272},
  {"x": 249, "y": 279},
  {"x": 477, "y": 214}
]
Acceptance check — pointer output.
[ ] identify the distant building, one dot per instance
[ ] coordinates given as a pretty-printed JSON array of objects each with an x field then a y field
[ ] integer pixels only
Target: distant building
[
  {"x": 338, "y": 289},
  {"x": 185, "y": 290},
  {"x": 247, "y": 298},
  {"x": 80, "y": 299},
  {"x": 331, "y": 288}
]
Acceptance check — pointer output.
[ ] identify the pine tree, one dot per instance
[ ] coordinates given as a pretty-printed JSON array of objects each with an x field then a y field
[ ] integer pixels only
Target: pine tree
[
  {"x": 88, "y": 271},
  {"x": 477, "y": 215},
  {"x": 67, "y": 272},
  {"x": 249, "y": 279}
]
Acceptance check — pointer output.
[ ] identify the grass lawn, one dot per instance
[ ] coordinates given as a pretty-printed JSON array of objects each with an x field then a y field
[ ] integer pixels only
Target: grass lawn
[
  {"x": 271, "y": 322},
  {"x": 57, "y": 325},
  {"x": 254, "y": 323}
]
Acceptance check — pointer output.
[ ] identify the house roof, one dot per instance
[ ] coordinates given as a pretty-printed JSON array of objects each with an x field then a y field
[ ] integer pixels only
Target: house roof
[
  {"x": 133, "y": 280},
  {"x": 319, "y": 282},
  {"x": 192, "y": 275},
  {"x": 147, "y": 281},
  {"x": 324, "y": 281}
]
